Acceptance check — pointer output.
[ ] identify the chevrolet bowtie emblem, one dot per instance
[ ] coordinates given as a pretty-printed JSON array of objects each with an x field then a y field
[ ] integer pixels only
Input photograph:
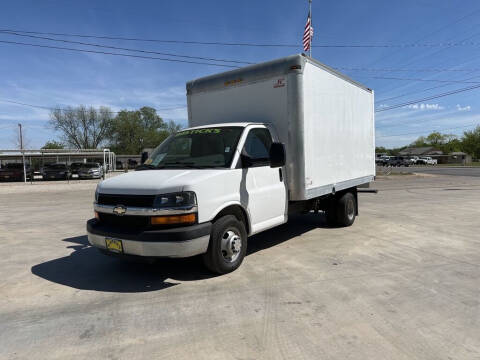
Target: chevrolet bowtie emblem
[{"x": 119, "y": 210}]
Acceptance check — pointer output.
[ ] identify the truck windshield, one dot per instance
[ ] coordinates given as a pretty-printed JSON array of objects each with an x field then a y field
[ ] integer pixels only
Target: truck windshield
[{"x": 196, "y": 148}]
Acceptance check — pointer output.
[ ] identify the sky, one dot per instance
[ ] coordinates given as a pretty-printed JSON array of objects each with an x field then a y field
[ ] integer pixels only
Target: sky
[{"x": 58, "y": 78}]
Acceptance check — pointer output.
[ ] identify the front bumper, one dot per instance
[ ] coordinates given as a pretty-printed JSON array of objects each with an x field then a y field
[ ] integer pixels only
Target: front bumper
[
  {"x": 176, "y": 242},
  {"x": 89, "y": 175},
  {"x": 55, "y": 176}
]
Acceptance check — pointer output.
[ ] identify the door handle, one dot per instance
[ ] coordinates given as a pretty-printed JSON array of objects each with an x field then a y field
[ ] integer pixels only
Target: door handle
[{"x": 280, "y": 174}]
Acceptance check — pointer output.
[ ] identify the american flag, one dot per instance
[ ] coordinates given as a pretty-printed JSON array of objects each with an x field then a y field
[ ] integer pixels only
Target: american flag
[{"x": 308, "y": 34}]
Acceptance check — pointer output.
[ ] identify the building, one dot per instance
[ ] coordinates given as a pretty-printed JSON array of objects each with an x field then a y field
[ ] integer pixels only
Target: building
[
  {"x": 421, "y": 151},
  {"x": 459, "y": 158}
]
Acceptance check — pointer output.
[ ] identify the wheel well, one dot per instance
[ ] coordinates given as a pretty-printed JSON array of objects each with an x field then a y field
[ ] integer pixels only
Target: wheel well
[{"x": 238, "y": 212}]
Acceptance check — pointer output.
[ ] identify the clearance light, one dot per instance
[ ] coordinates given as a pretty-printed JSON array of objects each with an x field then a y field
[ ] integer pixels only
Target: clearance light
[
  {"x": 97, "y": 216},
  {"x": 174, "y": 219}
]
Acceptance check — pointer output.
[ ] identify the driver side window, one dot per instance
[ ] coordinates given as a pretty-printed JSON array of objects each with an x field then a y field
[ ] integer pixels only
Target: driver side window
[{"x": 257, "y": 146}]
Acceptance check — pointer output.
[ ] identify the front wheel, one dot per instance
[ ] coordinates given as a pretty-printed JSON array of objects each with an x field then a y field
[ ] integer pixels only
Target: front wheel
[{"x": 228, "y": 245}]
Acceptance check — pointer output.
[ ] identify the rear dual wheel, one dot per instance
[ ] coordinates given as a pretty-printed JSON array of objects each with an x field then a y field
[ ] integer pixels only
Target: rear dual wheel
[{"x": 343, "y": 211}]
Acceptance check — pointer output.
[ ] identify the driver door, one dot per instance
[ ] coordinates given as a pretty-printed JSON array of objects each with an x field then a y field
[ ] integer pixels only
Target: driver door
[{"x": 263, "y": 190}]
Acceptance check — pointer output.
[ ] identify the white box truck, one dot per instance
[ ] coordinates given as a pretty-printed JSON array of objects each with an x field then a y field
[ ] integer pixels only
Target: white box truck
[{"x": 265, "y": 141}]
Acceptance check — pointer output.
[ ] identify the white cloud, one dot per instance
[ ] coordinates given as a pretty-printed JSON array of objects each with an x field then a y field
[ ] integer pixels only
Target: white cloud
[
  {"x": 423, "y": 106},
  {"x": 464, "y": 108}
]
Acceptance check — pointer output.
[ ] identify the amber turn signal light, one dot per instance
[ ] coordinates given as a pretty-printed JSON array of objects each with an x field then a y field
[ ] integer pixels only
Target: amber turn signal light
[
  {"x": 173, "y": 219},
  {"x": 97, "y": 216}
]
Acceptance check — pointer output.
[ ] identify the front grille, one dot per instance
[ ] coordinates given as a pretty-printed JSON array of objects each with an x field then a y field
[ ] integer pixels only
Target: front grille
[
  {"x": 126, "y": 200},
  {"x": 127, "y": 221}
]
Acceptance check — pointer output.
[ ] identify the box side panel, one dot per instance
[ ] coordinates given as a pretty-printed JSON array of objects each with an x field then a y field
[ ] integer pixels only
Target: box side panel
[{"x": 339, "y": 132}]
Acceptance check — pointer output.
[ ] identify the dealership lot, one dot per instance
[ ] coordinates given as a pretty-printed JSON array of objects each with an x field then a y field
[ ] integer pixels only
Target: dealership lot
[{"x": 401, "y": 283}]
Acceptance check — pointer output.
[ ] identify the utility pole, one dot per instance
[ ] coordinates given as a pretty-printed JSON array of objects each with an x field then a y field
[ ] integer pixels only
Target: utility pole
[{"x": 23, "y": 153}]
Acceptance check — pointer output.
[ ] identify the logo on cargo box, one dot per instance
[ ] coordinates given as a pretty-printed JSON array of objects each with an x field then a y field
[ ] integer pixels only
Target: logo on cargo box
[{"x": 279, "y": 83}]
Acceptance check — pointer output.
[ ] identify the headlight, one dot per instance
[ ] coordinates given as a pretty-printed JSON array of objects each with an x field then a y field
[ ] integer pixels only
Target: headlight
[{"x": 175, "y": 200}]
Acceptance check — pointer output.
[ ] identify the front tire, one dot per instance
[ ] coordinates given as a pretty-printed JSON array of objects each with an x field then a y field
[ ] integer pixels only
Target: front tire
[{"x": 228, "y": 245}]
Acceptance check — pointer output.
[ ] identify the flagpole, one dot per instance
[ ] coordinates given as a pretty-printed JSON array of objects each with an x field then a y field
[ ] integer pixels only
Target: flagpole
[{"x": 311, "y": 24}]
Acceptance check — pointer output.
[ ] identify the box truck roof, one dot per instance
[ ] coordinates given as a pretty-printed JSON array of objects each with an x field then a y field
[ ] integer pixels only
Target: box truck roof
[{"x": 261, "y": 71}]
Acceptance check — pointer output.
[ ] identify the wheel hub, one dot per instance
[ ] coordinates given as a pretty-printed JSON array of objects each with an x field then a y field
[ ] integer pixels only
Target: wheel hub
[
  {"x": 231, "y": 245},
  {"x": 350, "y": 210}
]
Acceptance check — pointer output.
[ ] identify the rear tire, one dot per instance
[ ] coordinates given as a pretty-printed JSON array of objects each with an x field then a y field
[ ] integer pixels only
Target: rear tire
[
  {"x": 346, "y": 209},
  {"x": 343, "y": 211},
  {"x": 227, "y": 246}
]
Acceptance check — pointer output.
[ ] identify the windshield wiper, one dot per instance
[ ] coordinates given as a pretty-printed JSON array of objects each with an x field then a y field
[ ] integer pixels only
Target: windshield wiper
[
  {"x": 145, "y": 167},
  {"x": 189, "y": 165}
]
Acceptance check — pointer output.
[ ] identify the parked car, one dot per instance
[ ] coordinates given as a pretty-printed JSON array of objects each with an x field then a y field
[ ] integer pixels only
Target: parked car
[
  {"x": 90, "y": 171},
  {"x": 14, "y": 171},
  {"x": 427, "y": 160},
  {"x": 383, "y": 160},
  {"x": 56, "y": 171},
  {"x": 132, "y": 164},
  {"x": 414, "y": 160},
  {"x": 74, "y": 168},
  {"x": 398, "y": 161}
]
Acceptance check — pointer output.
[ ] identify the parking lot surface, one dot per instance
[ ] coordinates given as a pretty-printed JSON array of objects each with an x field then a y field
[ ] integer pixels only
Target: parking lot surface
[
  {"x": 440, "y": 170},
  {"x": 401, "y": 283}
]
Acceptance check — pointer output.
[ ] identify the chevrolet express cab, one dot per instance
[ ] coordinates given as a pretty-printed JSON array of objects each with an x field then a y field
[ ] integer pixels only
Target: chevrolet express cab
[{"x": 265, "y": 141}]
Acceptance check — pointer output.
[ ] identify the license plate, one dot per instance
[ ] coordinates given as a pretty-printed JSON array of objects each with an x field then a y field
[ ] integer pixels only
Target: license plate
[
  {"x": 74, "y": 176},
  {"x": 114, "y": 245}
]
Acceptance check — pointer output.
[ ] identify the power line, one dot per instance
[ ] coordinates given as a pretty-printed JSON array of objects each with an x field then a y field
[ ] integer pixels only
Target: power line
[
  {"x": 250, "y": 44},
  {"x": 67, "y": 109},
  {"x": 428, "y": 98},
  {"x": 115, "y": 54},
  {"x": 435, "y": 32},
  {"x": 233, "y": 61},
  {"x": 125, "y": 49},
  {"x": 422, "y": 132},
  {"x": 428, "y": 80},
  {"x": 404, "y": 70}
]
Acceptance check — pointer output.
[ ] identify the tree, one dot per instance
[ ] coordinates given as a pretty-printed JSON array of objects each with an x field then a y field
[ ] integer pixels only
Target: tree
[
  {"x": 133, "y": 131},
  {"x": 173, "y": 127},
  {"x": 471, "y": 142},
  {"x": 82, "y": 127},
  {"x": 420, "y": 142},
  {"x": 436, "y": 139},
  {"x": 52, "y": 144}
]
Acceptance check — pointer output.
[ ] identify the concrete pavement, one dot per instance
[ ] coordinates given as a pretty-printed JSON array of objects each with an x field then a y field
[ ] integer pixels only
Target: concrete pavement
[
  {"x": 441, "y": 170},
  {"x": 401, "y": 283}
]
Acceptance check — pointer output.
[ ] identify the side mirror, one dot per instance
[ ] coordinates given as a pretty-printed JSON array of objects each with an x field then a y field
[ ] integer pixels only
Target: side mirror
[{"x": 277, "y": 155}]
